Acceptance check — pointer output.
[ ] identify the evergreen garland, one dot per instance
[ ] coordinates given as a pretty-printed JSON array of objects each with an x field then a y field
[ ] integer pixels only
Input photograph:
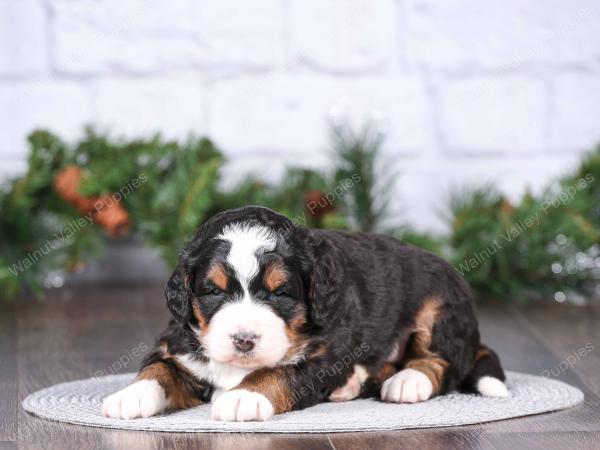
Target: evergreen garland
[{"x": 542, "y": 247}]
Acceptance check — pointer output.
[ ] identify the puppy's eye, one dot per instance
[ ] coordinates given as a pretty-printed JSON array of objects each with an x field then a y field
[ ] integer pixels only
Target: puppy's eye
[
  {"x": 214, "y": 291},
  {"x": 280, "y": 293}
]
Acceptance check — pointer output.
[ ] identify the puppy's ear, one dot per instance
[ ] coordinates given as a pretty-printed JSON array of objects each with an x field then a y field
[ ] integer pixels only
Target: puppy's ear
[
  {"x": 178, "y": 294},
  {"x": 324, "y": 290}
]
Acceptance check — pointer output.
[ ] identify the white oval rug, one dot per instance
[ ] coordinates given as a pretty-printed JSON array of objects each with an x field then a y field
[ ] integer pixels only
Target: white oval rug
[{"x": 79, "y": 402}]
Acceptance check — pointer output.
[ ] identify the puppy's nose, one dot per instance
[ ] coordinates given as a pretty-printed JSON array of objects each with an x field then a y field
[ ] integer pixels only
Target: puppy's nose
[{"x": 244, "y": 342}]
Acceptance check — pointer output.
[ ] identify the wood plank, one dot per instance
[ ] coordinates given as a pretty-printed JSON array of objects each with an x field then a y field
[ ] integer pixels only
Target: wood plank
[
  {"x": 440, "y": 438},
  {"x": 574, "y": 339},
  {"x": 8, "y": 372},
  {"x": 580, "y": 440},
  {"x": 519, "y": 348}
]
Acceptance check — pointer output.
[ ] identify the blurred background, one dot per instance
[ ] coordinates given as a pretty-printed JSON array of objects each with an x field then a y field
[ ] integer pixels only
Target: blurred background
[{"x": 468, "y": 128}]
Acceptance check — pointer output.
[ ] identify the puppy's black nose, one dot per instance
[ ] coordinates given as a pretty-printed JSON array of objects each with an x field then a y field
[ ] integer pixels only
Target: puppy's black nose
[{"x": 244, "y": 342}]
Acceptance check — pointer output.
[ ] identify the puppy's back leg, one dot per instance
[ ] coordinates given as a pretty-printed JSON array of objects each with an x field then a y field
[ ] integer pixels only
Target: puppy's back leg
[
  {"x": 487, "y": 377},
  {"x": 423, "y": 368}
]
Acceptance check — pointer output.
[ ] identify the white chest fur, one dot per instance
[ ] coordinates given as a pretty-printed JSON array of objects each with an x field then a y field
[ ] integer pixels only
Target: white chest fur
[{"x": 222, "y": 376}]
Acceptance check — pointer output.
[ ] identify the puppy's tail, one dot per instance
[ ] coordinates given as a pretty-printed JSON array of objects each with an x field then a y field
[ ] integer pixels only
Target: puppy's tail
[{"x": 486, "y": 377}]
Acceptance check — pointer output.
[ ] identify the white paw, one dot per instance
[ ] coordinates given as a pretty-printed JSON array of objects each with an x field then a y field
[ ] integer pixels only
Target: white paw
[
  {"x": 492, "y": 387},
  {"x": 240, "y": 405},
  {"x": 347, "y": 392},
  {"x": 143, "y": 398},
  {"x": 352, "y": 388},
  {"x": 407, "y": 386}
]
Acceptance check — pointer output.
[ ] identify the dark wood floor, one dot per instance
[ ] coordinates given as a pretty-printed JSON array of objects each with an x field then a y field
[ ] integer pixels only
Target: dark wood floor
[{"x": 77, "y": 332}]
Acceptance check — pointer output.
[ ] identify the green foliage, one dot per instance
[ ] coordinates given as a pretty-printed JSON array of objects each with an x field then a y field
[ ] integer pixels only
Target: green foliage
[
  {"x": 35, "y": 224},
  {"x": 178, "y": 190},
  {"x": 537, "y": 247},
  {"x": 587, "y": 201},
  {"x": 167, "y": 188},
  {"x": 357, "y": 155},
  {"x": 437, "y": 245},
  {"x": 523, "y": 251}
]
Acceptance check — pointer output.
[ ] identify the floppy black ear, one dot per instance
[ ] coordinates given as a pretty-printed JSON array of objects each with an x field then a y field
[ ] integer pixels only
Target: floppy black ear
[
  {"x": 325, "y": 282},
  {"x": 178, "y": 295}
]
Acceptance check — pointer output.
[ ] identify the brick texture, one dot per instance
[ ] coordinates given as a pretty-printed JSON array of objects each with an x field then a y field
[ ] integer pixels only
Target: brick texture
[
  {"x": 575, "y": 112},
  {"x": 497, "y": 115},
  {"x": 61, "y": 107},
  {"x": 23, "y": 34},
  {"x": 468, "y": 34},
  {"x": 141, "y": 37},
  {"x": 344, "y": 35},
  {"x": 467, "y": 91}
]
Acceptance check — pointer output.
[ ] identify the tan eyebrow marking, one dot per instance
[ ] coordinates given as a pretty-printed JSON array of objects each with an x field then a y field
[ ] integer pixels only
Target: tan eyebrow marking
[
  {"x": 217, "y": 275},
  {"x": 275, "y": 276}
]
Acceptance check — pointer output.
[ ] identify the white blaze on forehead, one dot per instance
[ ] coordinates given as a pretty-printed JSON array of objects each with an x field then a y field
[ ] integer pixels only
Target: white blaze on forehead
[{"x": 247, "y": 241}]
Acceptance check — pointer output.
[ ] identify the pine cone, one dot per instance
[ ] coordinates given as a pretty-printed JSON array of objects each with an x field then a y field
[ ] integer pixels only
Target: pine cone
[
  {"x": 112, "y": 216},
  {"x": 506, "y": 207},
  {"x": 106, "y": 211},
  {"x": 317, "y": 204},
  {"x": 66, "y": 184}
]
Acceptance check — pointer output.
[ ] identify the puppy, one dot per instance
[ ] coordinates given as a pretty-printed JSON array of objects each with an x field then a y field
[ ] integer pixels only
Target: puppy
[{"x": 269, "y": 317}]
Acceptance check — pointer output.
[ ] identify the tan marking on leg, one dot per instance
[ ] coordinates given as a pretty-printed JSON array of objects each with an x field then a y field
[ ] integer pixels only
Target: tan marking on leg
[
  {"x": 217, "y": 275},
  {"x": 388, "y": 370},
  {"x": 482, "y": 352},
  {"x": 421, "y": 357},
  {"x": 177, "y": 395},
  {"x": 272, "y": 383},
  {"x": 424, "y": 322},
  {"x": 434, "y": 368}
]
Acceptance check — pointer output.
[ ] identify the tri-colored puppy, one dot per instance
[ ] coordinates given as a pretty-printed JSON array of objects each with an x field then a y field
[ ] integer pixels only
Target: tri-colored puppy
[{"x": 269, "y": 317}]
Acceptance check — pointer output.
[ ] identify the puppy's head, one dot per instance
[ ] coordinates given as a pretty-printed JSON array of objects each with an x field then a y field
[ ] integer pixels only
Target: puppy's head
[{"x": 246, "y": 283}]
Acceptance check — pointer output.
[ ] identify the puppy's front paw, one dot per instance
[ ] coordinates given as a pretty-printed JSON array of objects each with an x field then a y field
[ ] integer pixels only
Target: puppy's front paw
[
  {"x": 349, "y": 391},
  {"x": 407, "y": 386},
  {"x": 352, "y": 388},
  {"x": 143, "y": 398},
  {"x": 240, "y": 405}
]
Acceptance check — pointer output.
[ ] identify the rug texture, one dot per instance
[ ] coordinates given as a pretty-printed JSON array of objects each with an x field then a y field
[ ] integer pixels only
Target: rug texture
[{"x": 79, "y": 402}]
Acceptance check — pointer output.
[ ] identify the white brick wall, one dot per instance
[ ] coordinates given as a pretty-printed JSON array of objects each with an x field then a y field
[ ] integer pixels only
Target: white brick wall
[
  {"x": 26, "y": 105},
  {"x": 175, "y": 106},
  {"x": 469, "y": 91},
  {"x": 511, "y": 34},
  {"x": 23, "y": 34},
  {"x": 344, "y": 36},
  {"x": 497, "y": 115}
]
